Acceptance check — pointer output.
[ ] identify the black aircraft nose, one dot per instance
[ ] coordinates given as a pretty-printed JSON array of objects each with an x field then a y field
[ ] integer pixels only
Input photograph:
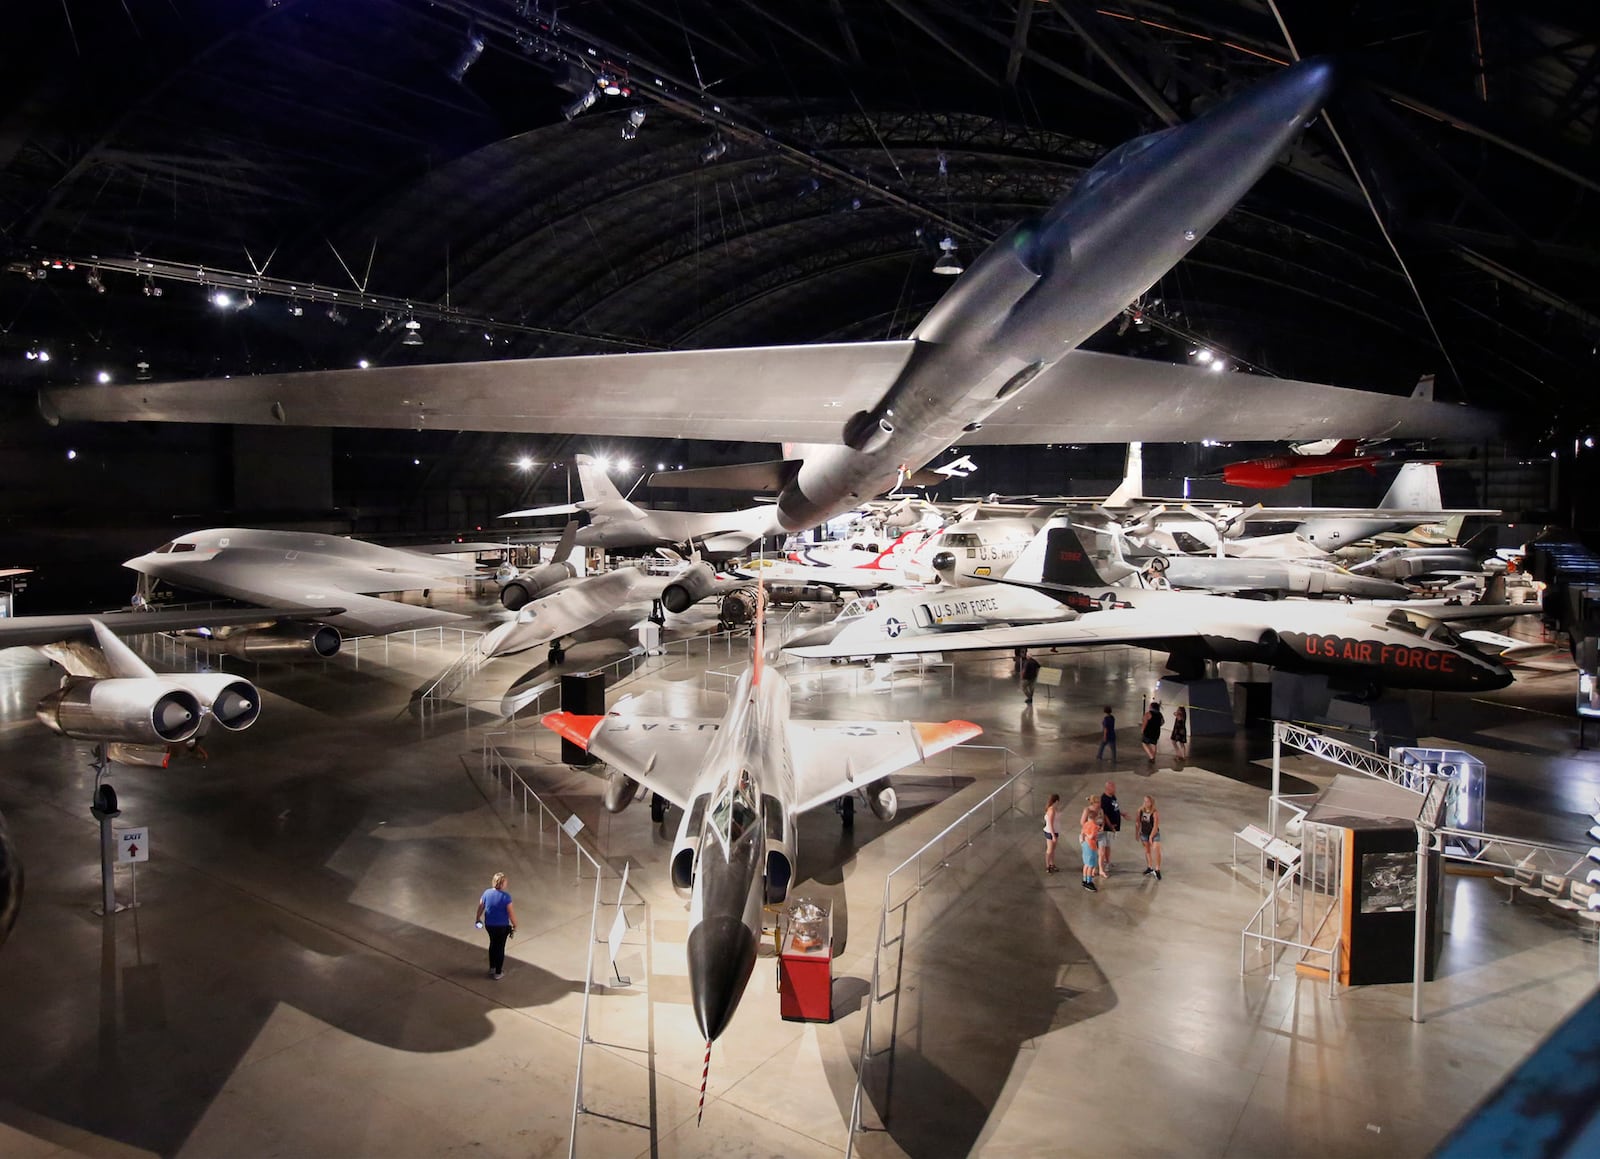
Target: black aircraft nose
[
  {"x": 944, "y": 561},
  {"x": 722, "y": 953}
]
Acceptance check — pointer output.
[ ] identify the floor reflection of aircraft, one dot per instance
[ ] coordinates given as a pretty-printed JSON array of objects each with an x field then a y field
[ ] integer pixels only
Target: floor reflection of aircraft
[
  {"x": 1365, "y": 647},
  {"x": 304, "y": 569},
  {"x": 742, "y": 781},
  {"x": 614, "y": 522},
  {"x": 994, "y": 362}
]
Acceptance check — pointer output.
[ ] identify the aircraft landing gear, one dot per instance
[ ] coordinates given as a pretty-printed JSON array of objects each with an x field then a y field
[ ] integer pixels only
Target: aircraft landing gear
[
  {"x": 846, "y": 805},
  {"x": 658, "y": 615},
  {"x": 557, "y": 653}
]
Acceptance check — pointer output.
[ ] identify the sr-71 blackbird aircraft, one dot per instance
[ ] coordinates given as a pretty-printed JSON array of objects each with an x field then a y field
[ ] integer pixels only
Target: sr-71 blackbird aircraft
[
  {"x": 994, "y": 361},
  {"x": 615, "y": 522},
  {"x": 1364, "y": 647},
  {"x": 742, "y": 781}
]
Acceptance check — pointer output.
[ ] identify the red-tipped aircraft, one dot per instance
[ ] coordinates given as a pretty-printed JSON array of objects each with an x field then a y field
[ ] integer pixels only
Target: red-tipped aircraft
[{"x": 1281, "y": 470}]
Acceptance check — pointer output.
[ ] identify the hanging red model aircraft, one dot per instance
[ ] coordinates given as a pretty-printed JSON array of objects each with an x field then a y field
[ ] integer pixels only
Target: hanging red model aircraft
[{"x": 1280, "y": 470}]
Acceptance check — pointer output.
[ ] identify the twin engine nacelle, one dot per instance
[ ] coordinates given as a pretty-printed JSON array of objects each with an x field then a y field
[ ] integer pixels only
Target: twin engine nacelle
[
  {"x": 535, "y": 582},
  {"x": 694, "y": 583},
  {"x": 282, "y": 643},
  {"x": 148, "y": 710},
  {"x": 621, "y": 791}
]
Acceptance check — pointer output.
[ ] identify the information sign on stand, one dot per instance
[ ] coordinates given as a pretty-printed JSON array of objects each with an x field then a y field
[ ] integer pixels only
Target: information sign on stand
[
  {"x": 572, "y": 826},
  {"x": 133, "y": 844}
]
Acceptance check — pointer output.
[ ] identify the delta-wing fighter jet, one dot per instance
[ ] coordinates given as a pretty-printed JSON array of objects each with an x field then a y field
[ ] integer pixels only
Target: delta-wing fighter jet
[
  {"x": 742, "y": 781},
  {"x": 1365, "y": 647},
  {"x": 994, "y": 362},
  {"x": 309, "y": 570},
  {"x": 615, "y": 522}
]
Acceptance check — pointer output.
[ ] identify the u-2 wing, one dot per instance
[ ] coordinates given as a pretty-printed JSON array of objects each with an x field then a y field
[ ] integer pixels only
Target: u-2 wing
[
  {"x": 832, "y": 757},
  {"x": 769, "y": 395},
  {"x": 663, "y": 754}
]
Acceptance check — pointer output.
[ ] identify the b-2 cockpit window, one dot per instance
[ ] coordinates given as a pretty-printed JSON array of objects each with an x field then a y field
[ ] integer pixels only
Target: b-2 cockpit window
[
  {"x": 185, "y": 546},
  {"x": 165, "y": 548}
]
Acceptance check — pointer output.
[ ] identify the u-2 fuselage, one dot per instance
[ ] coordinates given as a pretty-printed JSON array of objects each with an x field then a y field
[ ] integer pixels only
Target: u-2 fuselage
[{"x": 1050, "y": 283}]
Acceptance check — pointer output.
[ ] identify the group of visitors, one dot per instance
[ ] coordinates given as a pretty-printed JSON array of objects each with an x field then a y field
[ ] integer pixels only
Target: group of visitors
[{"x": 1099, "y": 822}]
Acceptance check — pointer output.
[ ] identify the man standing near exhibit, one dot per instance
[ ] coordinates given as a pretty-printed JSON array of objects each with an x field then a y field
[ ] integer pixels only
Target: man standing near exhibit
[
  {"x": 1108, "y": 735},
  {"x": 1030, "y": 677},
  {"x": 1111, "y": 811}
]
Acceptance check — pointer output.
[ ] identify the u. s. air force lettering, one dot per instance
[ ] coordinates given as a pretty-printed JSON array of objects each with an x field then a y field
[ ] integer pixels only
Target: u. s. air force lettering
[
  {"x": 953, "y": 609},
  {"x": 623, "y": 725},
  {"x": 1382, "y": 655}
]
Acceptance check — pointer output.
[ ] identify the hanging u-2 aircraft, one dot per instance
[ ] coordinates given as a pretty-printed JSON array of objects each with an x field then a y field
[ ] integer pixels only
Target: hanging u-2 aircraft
[
  {"x": 994, "y": 361},
  {"x": 742, "y": 781}
]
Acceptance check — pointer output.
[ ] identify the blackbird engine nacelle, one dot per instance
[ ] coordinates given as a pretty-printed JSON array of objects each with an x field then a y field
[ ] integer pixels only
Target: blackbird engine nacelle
[
  {"x": 138, "y": 710},
  {"x": 535, "y": 582},
  {"x": 693, "y": 584},
  {"x": 883, "y": 799},
  {"x": 619, "y": 792}
]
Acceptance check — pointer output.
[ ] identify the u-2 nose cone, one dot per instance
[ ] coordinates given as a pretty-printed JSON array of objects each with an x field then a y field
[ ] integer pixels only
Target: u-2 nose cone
[{"x": 722, "y": 953}]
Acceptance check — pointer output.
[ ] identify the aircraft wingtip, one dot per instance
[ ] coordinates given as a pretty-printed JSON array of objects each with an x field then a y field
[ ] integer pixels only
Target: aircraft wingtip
[
  {"x": 571, "y": 726},
  {"x": 935, "y": 736}
]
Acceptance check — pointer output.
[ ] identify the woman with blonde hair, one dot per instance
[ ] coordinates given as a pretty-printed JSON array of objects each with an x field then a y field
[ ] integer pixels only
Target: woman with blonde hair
[
  {"x": 1052, "y": 831},
  {"x": 1150, "y": 836},
  {"x": 497, "y": 915}
]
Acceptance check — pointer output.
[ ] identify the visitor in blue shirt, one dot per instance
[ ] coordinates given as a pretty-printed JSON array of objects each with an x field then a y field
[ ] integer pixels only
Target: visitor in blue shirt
[{"x": 497, "y": 915}]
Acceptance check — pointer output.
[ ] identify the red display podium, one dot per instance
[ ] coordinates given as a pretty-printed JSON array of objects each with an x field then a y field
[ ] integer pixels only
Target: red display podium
[{"x": 805, "y": 969}]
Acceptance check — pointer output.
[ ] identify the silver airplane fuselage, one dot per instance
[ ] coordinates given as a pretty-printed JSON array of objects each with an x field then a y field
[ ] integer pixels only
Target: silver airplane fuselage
[{"x": 1049, "y": 284}]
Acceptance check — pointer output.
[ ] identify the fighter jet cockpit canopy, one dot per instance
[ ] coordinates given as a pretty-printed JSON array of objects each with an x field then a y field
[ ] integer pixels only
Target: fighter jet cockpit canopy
[
  {"x": 1113, "y": 161},
  {"x": 735, "y": 814},
  {"x": 1420, "y": 624},
  {"x": 857, "y": 607}
]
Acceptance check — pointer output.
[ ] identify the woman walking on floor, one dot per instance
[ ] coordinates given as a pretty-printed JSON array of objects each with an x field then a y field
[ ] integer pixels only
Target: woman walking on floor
[{"x": 1180, "y": 733}]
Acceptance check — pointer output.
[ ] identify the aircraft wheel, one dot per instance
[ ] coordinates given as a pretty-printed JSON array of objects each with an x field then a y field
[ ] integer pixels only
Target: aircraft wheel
[
  {"x": 847, "y": 811},
  {"x": 557, "y": 655}
]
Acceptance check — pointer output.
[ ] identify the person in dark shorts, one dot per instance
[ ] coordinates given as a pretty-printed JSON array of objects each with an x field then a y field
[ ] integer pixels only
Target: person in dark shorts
[
  {"x": 1150, "y": 836},
  {"x": 1180, "y": 733},
  {"x": 1111, "y": 823},
  {"x": 1150, "y": 730}
]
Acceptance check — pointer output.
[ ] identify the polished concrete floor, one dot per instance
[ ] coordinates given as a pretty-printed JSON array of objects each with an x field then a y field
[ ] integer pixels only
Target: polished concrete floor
[{"x": 302, "y": 977}]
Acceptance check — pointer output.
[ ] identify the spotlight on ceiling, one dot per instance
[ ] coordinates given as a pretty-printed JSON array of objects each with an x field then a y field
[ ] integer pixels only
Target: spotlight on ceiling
[
  {"x": 71, "y": 455},
  {"x": 95, "y": 284},
  {"x": 103, "y": 377},
  {"x": 469, "y": 56},
  {"x": 142, "y": 371},
  {"x": 334, "y": 315},
  {"x": 1218, "y": 366},
  {"x": 715, "y": 148},
  {"x": 151, "y": 290},
  {"x": 949, "y": 263},
  {"x": 37, "y": 354},
  {"x": 624, "y": 465},
  {"x": 413, "y": 333},
  {"x": 602, "y": 462},
  {"x": 525, "y": 463},
  {"x": 221, "y": 299},
  {"x": 583, "y": 100},
  {"x": 630, "y": 127},
  {"x": 1203, "y": 356},
  {"x": 363, "y": 364},
  {"x": 295, "y": 308}
]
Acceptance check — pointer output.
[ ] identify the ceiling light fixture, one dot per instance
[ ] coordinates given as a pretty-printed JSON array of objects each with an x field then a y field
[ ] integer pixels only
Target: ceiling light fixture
[
  {"x": 630, "y": 127},
  {"x": 949, "y": 263},
  {"x": 583, "y": 100},
  {"x": 413, "y": 334},
  {"x": 469, "y": 56}
]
